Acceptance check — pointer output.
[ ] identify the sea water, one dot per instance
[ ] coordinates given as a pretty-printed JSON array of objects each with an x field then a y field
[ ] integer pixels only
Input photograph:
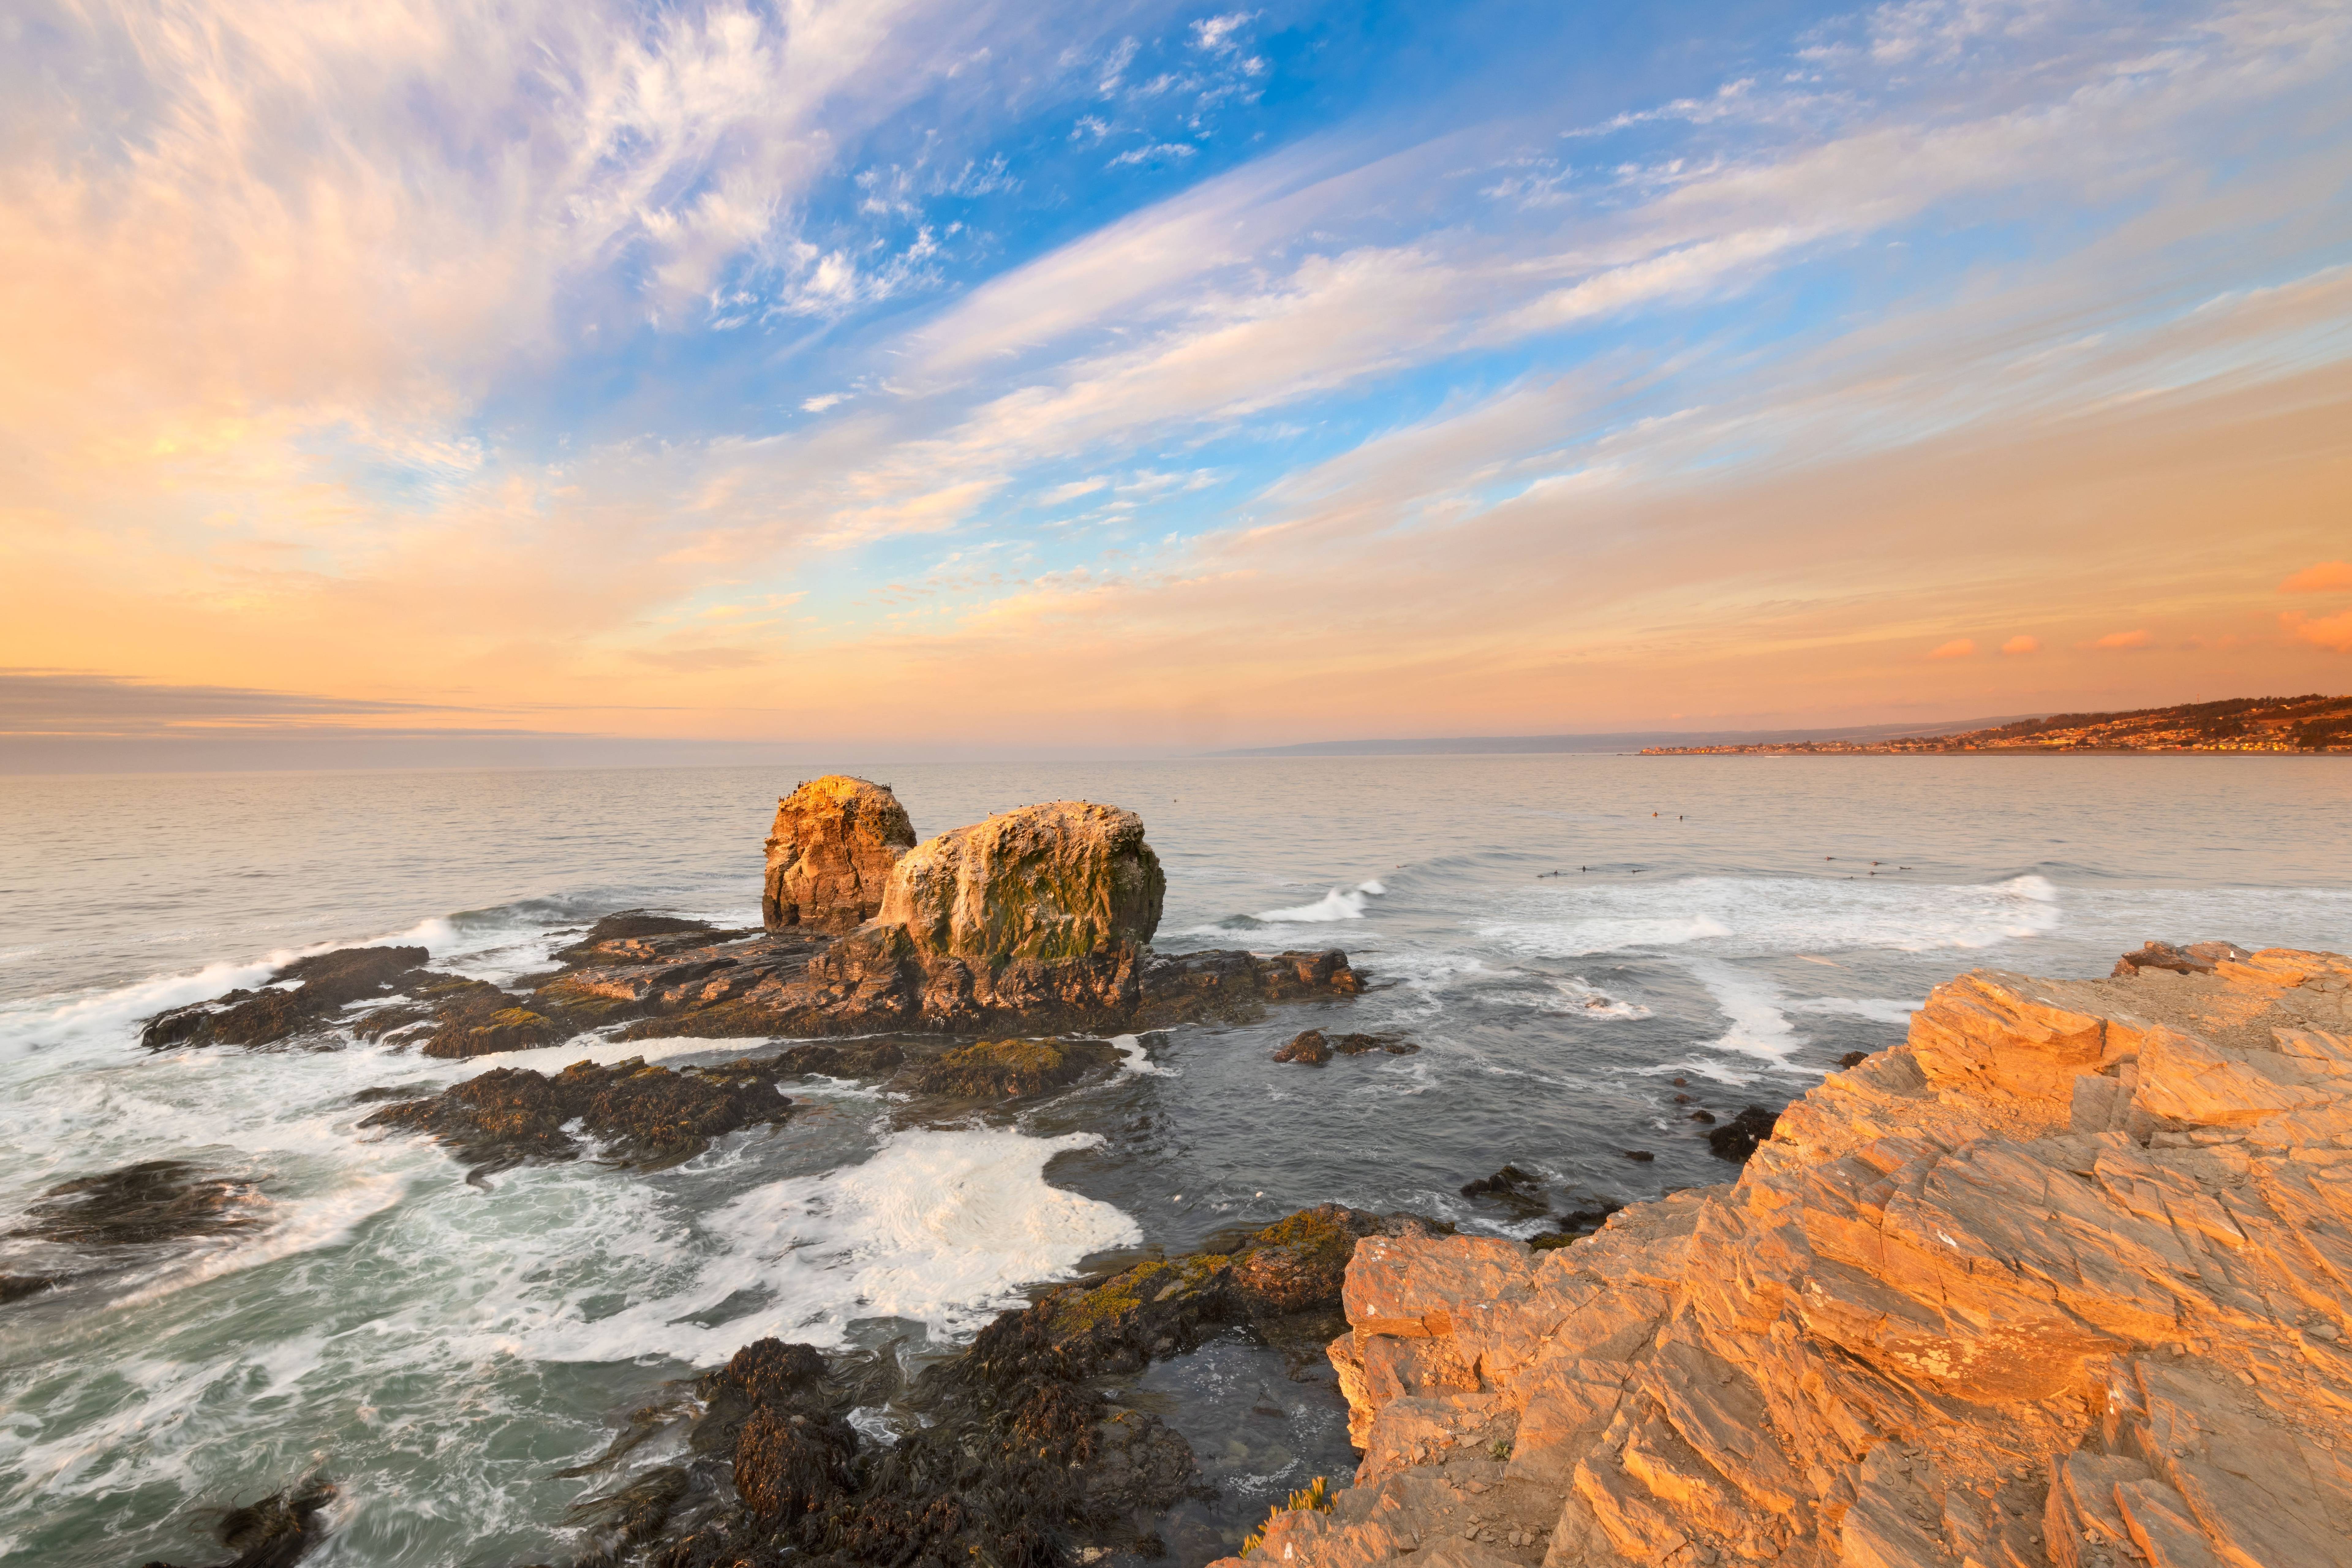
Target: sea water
[{"x": 1563, "y": 936}]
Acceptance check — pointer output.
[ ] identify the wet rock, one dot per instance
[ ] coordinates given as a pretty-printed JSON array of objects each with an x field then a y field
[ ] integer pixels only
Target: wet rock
[
  {"x": 835, "y": 842},
  {"x": 1016, "y": 1457},
  {"x": 1225, "y": 985},
  {"x": 999, "y": 1070},
  {"x": 327, "y": 981},
  {"x": 276, "y": 1531},
  {"x": 646, "y": 1116},
  {"x": 1738, "y": 1138},
  {"x": 636, "y": 936},
  {"x": 1309, "y": 1047},
  {"x": 1513, "y": 1188},
  {"x": 1854, "y": 1059},
  {"x": 23, "y": 1287},
  {"x": 851, "y": 1059},
  {"x": 155, "y": 1200},
  {"x": 1359, "y": 1045},
  {"x": 1703, "y": 1117},
  {"x": 1642, "y": 1156},
  {"x": 1576, "y": 1224}
]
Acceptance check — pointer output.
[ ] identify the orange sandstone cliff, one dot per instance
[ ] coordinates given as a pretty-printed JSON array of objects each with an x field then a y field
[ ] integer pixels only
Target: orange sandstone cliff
[{"x": 2063, "y": 1280}]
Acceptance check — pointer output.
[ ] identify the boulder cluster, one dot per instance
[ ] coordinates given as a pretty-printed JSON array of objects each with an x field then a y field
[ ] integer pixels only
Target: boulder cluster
[{"x": 1036, "y": 920}]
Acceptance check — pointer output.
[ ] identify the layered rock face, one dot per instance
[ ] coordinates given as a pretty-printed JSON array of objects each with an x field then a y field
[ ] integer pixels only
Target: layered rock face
[
  {"x": 2065, "y": 1280},
  {"x": 831, "y": 853}
]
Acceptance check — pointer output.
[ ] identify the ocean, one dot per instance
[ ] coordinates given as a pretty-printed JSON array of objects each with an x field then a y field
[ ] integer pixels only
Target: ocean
[{"x": 1564, "y": 937}]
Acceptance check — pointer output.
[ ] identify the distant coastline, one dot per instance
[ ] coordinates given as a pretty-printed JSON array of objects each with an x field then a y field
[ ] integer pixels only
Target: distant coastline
[{"x": 2308, "y": 725}]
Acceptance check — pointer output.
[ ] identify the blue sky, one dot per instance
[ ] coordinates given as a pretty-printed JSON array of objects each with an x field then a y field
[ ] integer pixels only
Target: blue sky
[{"x": 1163, "y": 370}]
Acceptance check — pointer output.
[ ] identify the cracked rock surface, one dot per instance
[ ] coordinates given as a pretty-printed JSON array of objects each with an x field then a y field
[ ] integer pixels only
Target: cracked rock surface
[{"x": 2065, "y": 1280}]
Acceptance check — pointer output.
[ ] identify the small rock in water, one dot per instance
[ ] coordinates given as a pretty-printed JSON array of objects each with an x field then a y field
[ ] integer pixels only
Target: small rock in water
[
  {"x": 1854, "y": 1059},
  {"x": 277, "y": 1531},
  {"x": 1309, "y": 1047},
  {"x": 1736, "y": 1139},
  {"x": 1642, "y": 1156},
  {"x": 155, "y": 1200}
]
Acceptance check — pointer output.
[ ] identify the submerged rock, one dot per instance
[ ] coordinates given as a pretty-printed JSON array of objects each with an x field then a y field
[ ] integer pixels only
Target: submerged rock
[
  {"x": 831, "y": 854},
  {"x": 277, "y": 1531},
  {"x": 1516, "y": 1189},
  {"x": 2060, "y": 1281},
  {"x": 646, "y": 1116},
  {"x": 154, "y": 1200}
]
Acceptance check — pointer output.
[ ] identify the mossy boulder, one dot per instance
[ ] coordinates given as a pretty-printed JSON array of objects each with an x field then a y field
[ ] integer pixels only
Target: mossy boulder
[
  {"x": 1003, "y": 1070},
  {"x": 1046, "y": 884}
]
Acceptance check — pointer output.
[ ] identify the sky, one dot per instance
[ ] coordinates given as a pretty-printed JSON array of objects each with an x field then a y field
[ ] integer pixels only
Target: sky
[{"x": 962, "y": 378}]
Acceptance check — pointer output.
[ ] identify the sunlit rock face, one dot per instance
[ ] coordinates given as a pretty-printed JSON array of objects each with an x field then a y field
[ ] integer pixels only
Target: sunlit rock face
[
  {"x": 2066, "y": 1279},
  {"x": 831, "y": 853},
  {"x": 1041, "y": 884}
]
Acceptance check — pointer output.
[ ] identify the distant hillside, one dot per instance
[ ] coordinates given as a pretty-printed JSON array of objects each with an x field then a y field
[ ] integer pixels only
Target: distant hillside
[
  {"x": 2312, "y": 723},
  {"x": 1622, "y": 741}
]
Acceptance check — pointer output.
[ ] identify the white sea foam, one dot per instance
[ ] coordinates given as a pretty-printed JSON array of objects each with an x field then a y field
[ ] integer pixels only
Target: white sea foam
[
  {"x": 1583, "y": 999},
  {"x": 1752, "y": 1003},
  {"x": 941, "y": 1227},
  {"x": 1775, "y": 915},
  {"x": 1138, "y": 1062},
  {"x": 1339, "y": 904}
]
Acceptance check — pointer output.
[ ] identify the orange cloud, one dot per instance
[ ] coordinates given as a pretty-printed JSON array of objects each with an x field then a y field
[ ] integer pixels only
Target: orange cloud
[
  {"x": 2332, "y": 632},
  {"x": 2323, "y": 578},
  {"x": 1959, "y": 647},
  {"x": 2022, "y": 645},
  {"x": 2116, "y": 642}
]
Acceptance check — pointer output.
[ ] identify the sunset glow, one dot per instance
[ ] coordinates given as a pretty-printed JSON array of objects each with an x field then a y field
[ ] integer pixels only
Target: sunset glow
[{"x": 909, "y": 376}]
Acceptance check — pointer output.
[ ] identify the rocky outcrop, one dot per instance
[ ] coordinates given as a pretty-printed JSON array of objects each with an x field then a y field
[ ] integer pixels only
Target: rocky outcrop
[
  {"x": 306, "y": 993},
  {"x": 1033, "y": 921},
  {"x": 1015, "y": 1453},
  {"x": 646, "y": 1116},
  {"x": 2065, "y": 1280},
  {"x": 831, "y": 853}
]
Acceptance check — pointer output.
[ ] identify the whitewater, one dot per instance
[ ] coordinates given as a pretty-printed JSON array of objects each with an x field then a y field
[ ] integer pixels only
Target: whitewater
[{"x": 1564, "y": 937}]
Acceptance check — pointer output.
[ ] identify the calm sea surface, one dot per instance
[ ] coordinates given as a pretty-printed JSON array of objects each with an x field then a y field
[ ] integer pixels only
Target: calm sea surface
[{"x": 1564, "y": 936}]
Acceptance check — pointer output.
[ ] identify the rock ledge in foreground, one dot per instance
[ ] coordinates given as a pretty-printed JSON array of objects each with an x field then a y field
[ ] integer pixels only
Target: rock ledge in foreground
[{"x": 2066, "y": 1279}]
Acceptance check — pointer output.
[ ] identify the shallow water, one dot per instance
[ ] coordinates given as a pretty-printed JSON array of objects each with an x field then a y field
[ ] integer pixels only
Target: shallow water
[{"x": 441, "y": 1350}]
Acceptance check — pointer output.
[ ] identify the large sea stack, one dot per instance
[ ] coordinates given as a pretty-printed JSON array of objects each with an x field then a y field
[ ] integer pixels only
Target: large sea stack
[
  {"x": 830, "y": 854},
  {"x": 1039, "y": 915}
]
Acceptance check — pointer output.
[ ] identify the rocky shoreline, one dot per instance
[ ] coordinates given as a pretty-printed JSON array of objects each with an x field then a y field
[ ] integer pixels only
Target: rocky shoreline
[{"x": 2063, "y": 1280}]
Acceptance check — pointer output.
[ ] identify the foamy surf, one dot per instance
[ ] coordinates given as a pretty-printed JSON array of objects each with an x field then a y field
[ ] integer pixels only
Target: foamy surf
[
  {"x": 1339, "y": 904},
  {"x": 943, "y": 1228}
]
